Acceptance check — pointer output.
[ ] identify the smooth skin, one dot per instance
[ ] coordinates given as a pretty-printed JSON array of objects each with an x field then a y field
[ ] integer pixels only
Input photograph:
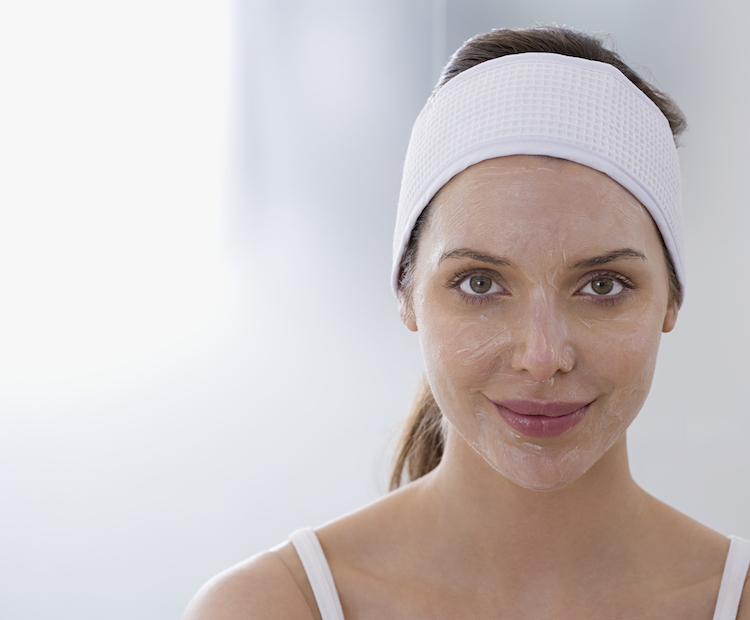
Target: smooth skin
[{"x": 477, "y": 538}]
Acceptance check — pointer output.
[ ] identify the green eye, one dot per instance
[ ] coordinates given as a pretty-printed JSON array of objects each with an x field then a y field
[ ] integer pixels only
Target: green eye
[
  {"x": 602, "y": 286},
  {"x": 480, "y": 284}
]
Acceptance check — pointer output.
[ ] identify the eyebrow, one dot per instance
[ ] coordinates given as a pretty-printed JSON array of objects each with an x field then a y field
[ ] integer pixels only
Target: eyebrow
[
  {"x": 480, "y": 256},
  {"x": 609, "y": 257},
  {"x": 585, "y": 263}
]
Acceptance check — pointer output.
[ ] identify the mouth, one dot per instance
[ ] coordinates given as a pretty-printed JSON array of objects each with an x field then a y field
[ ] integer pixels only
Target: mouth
[{"x": 535, "y": 419}]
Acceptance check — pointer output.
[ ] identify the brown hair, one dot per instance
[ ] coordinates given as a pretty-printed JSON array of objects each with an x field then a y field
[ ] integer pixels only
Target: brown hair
[{"x": 421, "y": 446}]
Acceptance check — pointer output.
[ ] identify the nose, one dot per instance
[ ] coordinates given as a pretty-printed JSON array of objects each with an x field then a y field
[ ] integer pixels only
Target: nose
[{"x": 543, "y": 348}]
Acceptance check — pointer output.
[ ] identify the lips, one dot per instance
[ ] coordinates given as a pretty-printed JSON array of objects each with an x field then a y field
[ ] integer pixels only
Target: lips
[{"x": 535, "y": 419}]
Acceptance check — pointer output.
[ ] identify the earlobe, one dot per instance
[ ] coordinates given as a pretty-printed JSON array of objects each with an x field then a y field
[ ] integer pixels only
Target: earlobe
[
  {"x": 670, "y": 318},
  {"x": 406, "y": 312}
]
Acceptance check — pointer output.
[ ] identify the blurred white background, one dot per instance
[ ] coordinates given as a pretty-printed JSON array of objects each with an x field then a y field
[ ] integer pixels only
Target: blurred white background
[{"x": 199, "y": 351}]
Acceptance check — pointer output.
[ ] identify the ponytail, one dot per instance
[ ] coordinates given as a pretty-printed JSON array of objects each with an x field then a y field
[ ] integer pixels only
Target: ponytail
[{"x": 420, "y": 448}]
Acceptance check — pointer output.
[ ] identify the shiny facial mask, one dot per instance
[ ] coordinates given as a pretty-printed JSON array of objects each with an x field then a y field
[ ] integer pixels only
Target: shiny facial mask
[{"x": 536, "y": 230}]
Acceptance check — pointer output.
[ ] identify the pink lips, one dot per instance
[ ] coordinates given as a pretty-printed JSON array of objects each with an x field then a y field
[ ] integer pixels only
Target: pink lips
[{"x": 541, "y": 419}]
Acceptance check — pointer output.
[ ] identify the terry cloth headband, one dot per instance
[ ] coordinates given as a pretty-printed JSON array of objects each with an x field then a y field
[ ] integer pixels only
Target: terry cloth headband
[{"x": 544, "y": 104}]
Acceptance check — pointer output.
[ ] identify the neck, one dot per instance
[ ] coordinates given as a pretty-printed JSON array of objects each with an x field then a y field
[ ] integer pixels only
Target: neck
[{"x": 477, "y": 509}]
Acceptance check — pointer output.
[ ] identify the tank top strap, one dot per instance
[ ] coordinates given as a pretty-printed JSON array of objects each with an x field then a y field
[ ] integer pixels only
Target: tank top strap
[
  {"x": 733, "y": 579},
  {"x": 318, "y": 572}
]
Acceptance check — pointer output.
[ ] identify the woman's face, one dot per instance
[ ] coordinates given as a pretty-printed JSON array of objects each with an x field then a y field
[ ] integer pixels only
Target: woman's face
[{"x": 540, "y": 293}]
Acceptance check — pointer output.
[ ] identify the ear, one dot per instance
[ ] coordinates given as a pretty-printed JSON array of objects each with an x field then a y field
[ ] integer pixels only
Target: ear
[
  {"x": 670, "y": 318},
  {"x": 406, "y": 311}
]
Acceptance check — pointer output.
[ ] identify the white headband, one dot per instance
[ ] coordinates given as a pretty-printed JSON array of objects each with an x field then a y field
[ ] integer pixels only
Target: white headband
[{"x": 544, "y": 104}]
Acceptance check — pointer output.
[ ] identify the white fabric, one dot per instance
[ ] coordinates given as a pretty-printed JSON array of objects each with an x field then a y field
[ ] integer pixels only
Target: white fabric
[
  {"x": 544, "y": 104},
  {"x": 314, "y": 561},
  {"x": 319, "y": 574},
  {"x": 733, "y": 579}
]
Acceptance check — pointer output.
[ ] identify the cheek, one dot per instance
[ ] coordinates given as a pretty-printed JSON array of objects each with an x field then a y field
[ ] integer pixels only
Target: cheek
[
  {"x": 623, "y": 354},
  {"x": 465, "y": 350}
]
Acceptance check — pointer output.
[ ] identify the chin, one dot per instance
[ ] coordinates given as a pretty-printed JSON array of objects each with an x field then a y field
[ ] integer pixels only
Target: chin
[{"x": 543, "y": 468}]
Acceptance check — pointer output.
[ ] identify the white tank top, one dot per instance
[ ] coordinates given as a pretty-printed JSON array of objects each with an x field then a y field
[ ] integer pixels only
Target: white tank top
[{"x": 319, "y": 574}]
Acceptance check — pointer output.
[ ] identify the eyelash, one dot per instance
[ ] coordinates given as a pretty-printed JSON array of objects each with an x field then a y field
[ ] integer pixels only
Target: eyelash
[
  {"x": 459, "y": 277},
  {"x": 603, "y": 300}
]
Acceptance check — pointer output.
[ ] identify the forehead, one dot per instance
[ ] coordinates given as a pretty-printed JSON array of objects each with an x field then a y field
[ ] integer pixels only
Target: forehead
[{"x": 522, "y": 201}]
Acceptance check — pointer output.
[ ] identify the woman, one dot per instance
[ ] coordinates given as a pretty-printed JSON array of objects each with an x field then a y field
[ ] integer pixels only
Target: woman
[{"x": 538, "y": 254}]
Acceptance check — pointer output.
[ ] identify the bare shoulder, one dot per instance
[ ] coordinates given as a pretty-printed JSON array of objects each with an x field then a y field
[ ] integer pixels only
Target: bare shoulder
[{"x": 259, "y": 588}]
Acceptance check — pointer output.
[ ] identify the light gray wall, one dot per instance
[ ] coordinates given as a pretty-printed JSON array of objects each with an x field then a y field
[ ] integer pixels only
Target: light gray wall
[{"x": 200, "y": 374}]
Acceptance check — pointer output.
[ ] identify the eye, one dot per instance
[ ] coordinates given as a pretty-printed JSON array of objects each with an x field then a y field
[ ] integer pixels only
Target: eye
[
  {"x": 603, "y": 286},
  {"x": 479, "y": 284}
]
